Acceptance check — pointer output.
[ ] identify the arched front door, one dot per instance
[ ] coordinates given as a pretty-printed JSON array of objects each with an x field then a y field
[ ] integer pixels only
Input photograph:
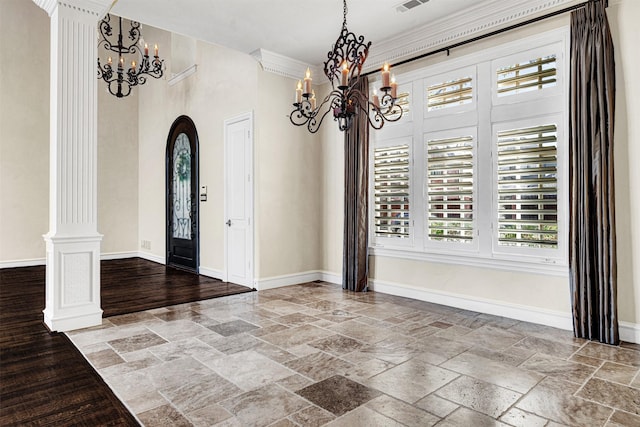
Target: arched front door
[{"x": 182, "y": 195}]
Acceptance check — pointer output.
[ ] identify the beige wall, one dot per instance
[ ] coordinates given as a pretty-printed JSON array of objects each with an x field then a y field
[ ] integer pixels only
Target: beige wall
[
  {"x": 24, "y": 144},
  {"x": 623, "y": 18},
  {"x": 288, "y": 185},
  {"x": 24, "y": 130},
  {"x": 224, "y": 85}
]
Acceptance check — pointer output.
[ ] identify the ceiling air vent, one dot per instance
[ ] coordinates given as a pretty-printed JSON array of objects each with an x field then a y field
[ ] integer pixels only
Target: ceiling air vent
[{"x": 405, "y": 6}]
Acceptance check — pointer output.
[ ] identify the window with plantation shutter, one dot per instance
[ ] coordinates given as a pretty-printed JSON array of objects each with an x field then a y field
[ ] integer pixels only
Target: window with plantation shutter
[
  {"x": 528, "y": 187},
  {"x": 450, "y": 189},
  {"x": 536, "y": 74},
  {"x": 451, "y": 93},
  {"x": 391, "y": 191},
  {"x": 491, "y": 164}
]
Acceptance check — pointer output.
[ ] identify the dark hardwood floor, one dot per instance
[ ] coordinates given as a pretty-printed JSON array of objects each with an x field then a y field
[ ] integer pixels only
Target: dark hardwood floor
[{"x": 44, "y": 380}]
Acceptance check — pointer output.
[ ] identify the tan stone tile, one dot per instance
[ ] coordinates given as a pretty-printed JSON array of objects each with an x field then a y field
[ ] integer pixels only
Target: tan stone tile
[
  {"x": 105, "y": 358},
  {"x": 312, "y": 417},
  {"x": 295, "y": 382},
  {"x": 436, "y": 405},
  {"x": 319, "y": 366},
  {"x": 615, "y": 372},
  {"x": 466, "y": 417},
  {"x": 136, "y": 342},
  {"x": 412, "y": 380},
  {"x": 611, "y": 353},
  {"x": 549, "y": 347},
  {"x": 623, "y": 419},
  {"x": 249, "y": 370},
  {"x": 519, "y": 418},
  {"x": 208, "y": 416},
  {"x": 612, "y": 394},
  {"x": 264, "y": 406},
  {"x": 497, "y": 373},
  {"x": 402, "y": 412},
  {"x": 553, "y": 399},
  {"x": 479, "y": 395},
  {"x": 163, "y": 416},
  {"x": 500, "y": 339},
  {"x": 362, "y": 331},
  {"x": 363, "y": 416},
  {"x": 559, "y": 368},
  {"x": 296, "y": 336}
]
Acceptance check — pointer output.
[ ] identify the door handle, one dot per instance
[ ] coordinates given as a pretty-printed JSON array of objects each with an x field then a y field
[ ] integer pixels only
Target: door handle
[{"x": 228, "y": 223}]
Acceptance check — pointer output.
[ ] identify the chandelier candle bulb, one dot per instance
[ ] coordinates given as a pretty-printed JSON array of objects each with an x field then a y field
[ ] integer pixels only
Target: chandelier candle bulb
[
  {"x": 146, "y": 49},
  {"x": 307, "y": 82},
  {"x": 313, "y": 100},
  {"x": 299, "y": 92},
  {"x": 109, "y": 60},
  {"x": 394, "y": 87},
  {"x": 376, "y": 100},
  {"x": 121, "y": 62},
  {"x": 345, "y": 74},
  {"x": 156, "y": 50},
  {"x": 133, "y": 65},
  {"x": 385, "y": 75}
]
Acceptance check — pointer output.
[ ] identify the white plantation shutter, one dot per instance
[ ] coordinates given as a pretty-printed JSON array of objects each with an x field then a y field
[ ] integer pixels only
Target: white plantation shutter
[
  {"x": 450, "y": 189},
  {"x": 391, "y": 191},
  {"x": 528, "y": 187},
  {"x": 451, "y": 93},
  {"x": 536, "y": 74}
]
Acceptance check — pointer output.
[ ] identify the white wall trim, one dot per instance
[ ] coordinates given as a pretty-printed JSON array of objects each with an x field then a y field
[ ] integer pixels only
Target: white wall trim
[
  {"x": 629, "y": 332},
  {"x": 182, "y": 75},
  {"x": 151, "y": 257},
  {"x": 211, "y": 272},
  {"x": 538, "y": 315},
  {"x": 288, "y": 67},
  {"x": 117, "y": 255},
  {"x": 23, "y": 263},
  {"x": 331, "y": 277},
  {"x": 471, "y": 260},
  {"x": 471, "y": 22}
]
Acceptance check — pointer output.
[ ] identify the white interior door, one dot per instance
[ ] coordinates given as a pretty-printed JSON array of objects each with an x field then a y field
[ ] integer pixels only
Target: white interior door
[{"x": 239, "y": 199}]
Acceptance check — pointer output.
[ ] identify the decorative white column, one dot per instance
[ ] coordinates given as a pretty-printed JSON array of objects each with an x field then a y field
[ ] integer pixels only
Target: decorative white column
[{"x": 73, "y": 242}]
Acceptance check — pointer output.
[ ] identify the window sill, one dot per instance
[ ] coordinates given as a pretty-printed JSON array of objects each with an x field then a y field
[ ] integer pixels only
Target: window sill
[{"x": 550, "y": 268}]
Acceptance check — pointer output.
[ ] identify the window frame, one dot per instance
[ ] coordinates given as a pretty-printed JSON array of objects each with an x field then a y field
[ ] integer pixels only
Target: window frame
[{"x": 489, "y": 113}]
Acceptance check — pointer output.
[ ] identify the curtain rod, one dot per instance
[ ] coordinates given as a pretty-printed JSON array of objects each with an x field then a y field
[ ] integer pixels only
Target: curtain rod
[{"x": 491, "y": 34}]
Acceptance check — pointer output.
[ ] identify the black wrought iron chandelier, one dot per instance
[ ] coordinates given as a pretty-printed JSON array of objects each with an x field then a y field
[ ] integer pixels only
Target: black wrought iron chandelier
[
  {"x": 343, "y": 68},
  {"x": 121, "y": 81}
]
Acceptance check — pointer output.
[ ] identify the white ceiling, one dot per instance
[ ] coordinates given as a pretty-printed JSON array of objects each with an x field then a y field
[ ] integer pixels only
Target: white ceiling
[{"x": 300, "y": 29}]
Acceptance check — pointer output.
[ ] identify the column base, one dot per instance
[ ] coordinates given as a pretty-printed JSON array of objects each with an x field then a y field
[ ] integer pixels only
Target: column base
[{"x": 72, "y": 282}]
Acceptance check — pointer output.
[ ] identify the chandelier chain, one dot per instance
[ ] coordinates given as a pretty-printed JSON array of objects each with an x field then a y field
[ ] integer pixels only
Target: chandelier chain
[{"x": 344, "y": 14}]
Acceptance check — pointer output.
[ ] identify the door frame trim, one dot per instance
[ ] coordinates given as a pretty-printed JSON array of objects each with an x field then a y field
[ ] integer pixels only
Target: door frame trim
[
  {"x": 196, "y": 154},
  {"x": 228, "y": 122}
]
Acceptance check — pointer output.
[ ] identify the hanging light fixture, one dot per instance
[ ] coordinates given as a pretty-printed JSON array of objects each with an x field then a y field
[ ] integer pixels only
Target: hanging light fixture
[
  {"x": 343, "y": 68},
  {"x": 121, "y": 81}
]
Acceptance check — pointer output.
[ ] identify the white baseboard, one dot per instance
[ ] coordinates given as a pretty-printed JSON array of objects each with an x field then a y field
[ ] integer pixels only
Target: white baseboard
[
  {"x": 553, "y": 318},
  {"x": 329, "y": 277},
  {"x": 151, "y": 257},
  {"x": 287, "y": 280},
  {"x": 23, "y": 263},
  {"x": 117, "y": 255},
  {"x": 629, "y": 332},
  {"x": 211, "y": 272}
]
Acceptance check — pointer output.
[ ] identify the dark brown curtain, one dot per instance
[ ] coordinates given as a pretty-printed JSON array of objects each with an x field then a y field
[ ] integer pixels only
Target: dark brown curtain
[
  {"x": 592, "y": 234},
  {"x": 355, "y": 259}
]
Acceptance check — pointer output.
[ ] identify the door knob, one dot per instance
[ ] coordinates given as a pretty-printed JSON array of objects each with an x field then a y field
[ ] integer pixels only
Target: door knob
[{"x": 228, "y": 223}]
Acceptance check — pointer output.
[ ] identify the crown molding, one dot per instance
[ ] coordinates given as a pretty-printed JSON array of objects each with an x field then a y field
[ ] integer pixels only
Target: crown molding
[
  {"x": 471, "y": 22},
  {"x": 93, "y": 7},
  {"x": 285, "y": 66}
]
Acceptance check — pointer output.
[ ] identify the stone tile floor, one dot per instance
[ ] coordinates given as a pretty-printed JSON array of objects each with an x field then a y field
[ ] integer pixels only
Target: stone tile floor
[{"x": 313, "y": 354}]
